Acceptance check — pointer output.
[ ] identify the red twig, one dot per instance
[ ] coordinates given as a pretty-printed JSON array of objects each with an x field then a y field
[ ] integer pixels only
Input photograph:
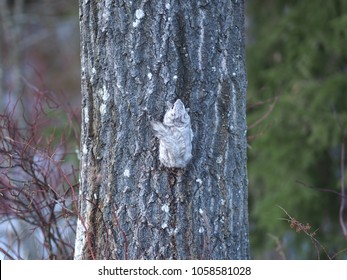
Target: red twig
[
  {"x": 306, "y": 228},
  {"x": 267, "y": 113},
  {"x": 126, "y": 245},
  {"x": 33, "y": 179}
]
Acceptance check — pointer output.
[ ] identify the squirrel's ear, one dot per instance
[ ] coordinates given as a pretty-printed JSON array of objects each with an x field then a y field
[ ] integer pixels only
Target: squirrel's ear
[{"x": 169, "y": 104}]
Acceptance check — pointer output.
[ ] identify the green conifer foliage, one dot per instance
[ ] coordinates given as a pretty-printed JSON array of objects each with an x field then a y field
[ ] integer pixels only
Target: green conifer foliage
[{"x": 297, "y": 97}]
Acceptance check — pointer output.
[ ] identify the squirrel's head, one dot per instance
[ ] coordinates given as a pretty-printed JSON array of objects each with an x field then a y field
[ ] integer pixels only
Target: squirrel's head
[{"x": 176, "y": 114}]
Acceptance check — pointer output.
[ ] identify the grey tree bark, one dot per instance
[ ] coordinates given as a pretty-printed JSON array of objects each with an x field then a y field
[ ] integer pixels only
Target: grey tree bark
[{"x": 135, "y": 56}]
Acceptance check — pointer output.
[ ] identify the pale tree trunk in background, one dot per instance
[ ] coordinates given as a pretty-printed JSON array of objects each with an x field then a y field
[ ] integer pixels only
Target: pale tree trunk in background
[
  {"x": 136, "y": 55},
  {"x": 11, "y": 32}
]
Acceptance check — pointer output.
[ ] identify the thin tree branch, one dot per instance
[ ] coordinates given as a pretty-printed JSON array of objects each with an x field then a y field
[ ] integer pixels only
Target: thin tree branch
[{"x": 342, "y": 203}]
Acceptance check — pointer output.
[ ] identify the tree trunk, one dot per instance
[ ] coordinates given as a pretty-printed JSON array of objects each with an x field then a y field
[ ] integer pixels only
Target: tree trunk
[{"x": 136, "y": 55}]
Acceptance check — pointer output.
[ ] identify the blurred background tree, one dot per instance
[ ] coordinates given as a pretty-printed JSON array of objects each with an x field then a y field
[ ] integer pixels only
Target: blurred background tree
[
  {"x": 39, "y": 128},
  {"x": 39, "y": 43},
  {"x": 297, "y": 117}
]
